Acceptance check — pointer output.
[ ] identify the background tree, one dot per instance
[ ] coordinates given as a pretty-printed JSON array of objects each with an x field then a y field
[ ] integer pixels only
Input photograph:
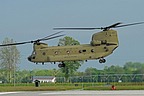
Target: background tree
[
  {"x": 114, "y": 69},
  {"x": 132, "y": 67},
  {"x": 9, "y": 58},
  {"x": 91, "y": 71},
  {"x": 70, "y": 66}
]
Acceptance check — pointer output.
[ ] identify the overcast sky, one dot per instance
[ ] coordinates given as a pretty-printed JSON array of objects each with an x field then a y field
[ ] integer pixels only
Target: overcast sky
[{"x": 24, "y": 20}]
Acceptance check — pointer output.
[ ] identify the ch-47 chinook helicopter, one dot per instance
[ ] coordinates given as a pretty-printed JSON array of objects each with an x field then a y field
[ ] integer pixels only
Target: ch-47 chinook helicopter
[{"x": 102, "y": 44}]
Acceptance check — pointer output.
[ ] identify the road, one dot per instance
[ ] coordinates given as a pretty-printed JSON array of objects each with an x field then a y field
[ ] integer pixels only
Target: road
[{"x": 76, "y": 93}]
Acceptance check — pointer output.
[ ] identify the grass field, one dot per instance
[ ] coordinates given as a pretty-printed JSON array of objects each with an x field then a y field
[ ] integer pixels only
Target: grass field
[{"x": 70, "y": 86}]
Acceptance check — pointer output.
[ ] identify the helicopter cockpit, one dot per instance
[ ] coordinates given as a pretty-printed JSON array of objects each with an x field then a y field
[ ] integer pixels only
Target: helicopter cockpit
[{"x": 36, "y": 46}]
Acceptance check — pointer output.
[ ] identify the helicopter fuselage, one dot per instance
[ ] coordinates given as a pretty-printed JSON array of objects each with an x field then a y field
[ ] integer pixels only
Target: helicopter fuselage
[{"x": 103, "y": 44}]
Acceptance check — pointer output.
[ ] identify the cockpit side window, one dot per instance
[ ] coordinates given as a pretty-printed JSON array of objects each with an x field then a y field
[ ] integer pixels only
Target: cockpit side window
[{"x": 33, "y": 52}]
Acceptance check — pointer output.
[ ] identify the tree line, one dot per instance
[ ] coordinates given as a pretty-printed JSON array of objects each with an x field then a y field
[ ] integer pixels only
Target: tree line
[{"x": 131, "y": 71}]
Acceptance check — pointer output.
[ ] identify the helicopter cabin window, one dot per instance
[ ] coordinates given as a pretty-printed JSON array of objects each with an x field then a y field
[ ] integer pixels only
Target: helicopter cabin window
[
  {"x": 44, "y": 53},
  {"x": 68, "y": 52},
  {"x": 80, "y": 51},
  {"x": 84, "y": 50},
  {"x": 56, "y": 52},
  {"x": 92, "y": 50}
]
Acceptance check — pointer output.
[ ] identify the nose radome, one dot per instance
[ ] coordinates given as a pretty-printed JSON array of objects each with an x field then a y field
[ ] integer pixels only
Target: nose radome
[{"x": 29, "y": 58}]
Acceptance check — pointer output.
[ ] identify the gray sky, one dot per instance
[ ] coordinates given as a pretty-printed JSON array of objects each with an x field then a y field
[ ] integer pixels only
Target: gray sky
[{"x": 24, "y": 20}]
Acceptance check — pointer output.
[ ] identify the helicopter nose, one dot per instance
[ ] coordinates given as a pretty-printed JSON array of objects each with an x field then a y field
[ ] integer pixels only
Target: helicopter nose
[{"x": 29, "y": 58}]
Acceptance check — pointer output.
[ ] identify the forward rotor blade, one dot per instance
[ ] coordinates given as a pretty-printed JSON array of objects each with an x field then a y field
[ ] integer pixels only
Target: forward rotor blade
[
  {"x": 53, "y": 37},
  {"x": 17, "y": 43},
  {"x": 76, "y": 28},
  {"x": 129, "y": 24},
  {"x": 45, "y": 38}
]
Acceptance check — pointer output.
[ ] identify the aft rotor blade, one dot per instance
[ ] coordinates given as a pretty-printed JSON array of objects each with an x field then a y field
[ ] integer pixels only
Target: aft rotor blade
[
  {"x": 129, "y": 24},
  {"x": 101, "y": 28},
  {"x": 75, "y": 28},
  {"x": 114, "y": 25}
]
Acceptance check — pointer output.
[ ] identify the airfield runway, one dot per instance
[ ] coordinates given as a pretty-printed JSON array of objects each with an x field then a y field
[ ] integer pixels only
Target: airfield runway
[{"x": 76, "y": 93}]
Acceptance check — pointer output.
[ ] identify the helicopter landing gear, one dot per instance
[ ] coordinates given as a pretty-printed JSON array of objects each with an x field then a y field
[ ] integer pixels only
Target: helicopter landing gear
[
  {"x": 61, "y": 65},
  {"x": 102, "y": 60}
]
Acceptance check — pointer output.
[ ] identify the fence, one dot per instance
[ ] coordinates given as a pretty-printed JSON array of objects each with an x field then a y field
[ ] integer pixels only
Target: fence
[{"x": 105, "y": 78}]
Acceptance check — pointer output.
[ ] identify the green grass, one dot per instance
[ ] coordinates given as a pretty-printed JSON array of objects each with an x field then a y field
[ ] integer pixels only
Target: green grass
[
  {"x": 70, "y": 86},
  {"x": 32, "y": 88},
  {"x": 117, "y": 88},
  {"x": 42, "y": 87}
]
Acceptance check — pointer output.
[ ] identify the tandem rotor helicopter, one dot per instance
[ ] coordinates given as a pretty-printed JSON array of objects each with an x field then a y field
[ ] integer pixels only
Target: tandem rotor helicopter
[{"x": 102, "y": 44}]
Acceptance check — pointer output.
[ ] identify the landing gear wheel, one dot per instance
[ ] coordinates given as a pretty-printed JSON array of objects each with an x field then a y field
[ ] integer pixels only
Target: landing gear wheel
[
  {"x": 61, "y": 65},
  {"x": 102, "y": 60}
]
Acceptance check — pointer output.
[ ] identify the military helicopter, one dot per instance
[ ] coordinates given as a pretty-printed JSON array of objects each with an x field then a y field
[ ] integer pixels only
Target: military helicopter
[{"x": 102, "y": 44}]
